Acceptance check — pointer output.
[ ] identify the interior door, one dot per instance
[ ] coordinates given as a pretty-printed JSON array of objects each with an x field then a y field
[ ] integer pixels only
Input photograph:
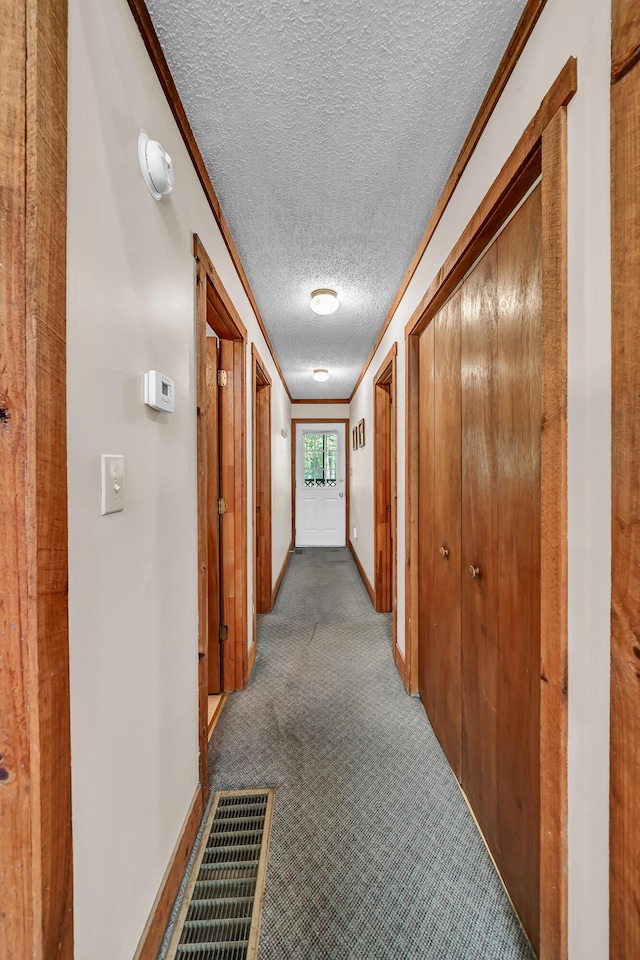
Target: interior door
[
  {"x": 479, "y": 370},
  {"x": 519, "y": 385},
  {"x": 321, "y": 502},
  {"x": 445, "y": 654},
  {"x": 213, "y": 493}
]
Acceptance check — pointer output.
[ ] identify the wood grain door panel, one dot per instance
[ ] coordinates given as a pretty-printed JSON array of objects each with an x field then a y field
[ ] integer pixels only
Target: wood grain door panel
[
  {"x": 213, "y": 536},
  {"x": 519, "y": 397},
  {"x": 426, "y": 485},
  {"x": 624, "y": 828},
  {"x": 445, "y": 653},
  {"x": 479, "y": 345}
]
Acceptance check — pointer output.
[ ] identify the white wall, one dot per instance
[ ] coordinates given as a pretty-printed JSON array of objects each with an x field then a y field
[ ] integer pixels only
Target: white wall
[
  {"x": 361, "y": 491},
  {"x": 320, "y": 411},
  {"x": 580, "y": 28},
  {"x": 133, "y": 575}
]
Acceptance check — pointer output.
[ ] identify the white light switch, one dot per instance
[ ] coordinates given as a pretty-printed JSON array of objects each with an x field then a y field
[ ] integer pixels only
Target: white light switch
[{"x": 112, "y": 473}]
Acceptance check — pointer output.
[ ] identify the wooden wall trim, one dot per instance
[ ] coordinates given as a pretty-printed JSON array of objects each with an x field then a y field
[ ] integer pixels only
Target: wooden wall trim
[
  {"x": 154, "y": 49},
  {"x": 624, "y": 796},
  {"x": 401, "y": 665},
  {"x": 153, "y": 933},
  {"x": 523, "y": 31},
  {"x": 203, "y": 533},
  {"x": 554, "y": 565},
  {"x": 280, "y": 578},
  {"x": 314, "y": 400},
  {"x": 544, "y": 139},
  {"x": 251, "y": 660},
  {"x": 625, "y": 37},
  {"x": 35, "y": 803},
  {"x": 233, "y": 340},
  {"x": 365, "y": 579}
]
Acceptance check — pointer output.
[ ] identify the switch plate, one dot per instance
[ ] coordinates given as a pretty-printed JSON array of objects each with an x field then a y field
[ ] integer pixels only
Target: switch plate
[{"x": 112, "y": 475}]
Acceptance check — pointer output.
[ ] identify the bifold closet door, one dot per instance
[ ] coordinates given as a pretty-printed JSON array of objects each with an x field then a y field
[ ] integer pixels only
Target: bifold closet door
[
  {"x": 444, "y": 659},
  {"x": 519, "y": 399},
  {"x": 479, "y": 394}
]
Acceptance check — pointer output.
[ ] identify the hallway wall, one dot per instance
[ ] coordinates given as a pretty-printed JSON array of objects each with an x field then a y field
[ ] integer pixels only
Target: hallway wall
[
  {"x": 580, "y": 28},
  {"x": 133, "y": 575}
]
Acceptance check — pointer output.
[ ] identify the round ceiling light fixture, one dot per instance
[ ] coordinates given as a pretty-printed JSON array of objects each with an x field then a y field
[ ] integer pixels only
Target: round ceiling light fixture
[
  {"x": 320, "y": 374},
  {"x": 324, "y": 301},
  {"x": 156, "y": 166}
]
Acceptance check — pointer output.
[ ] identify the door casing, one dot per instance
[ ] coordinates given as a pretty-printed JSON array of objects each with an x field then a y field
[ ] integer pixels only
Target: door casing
[
  {"x": 294, "y": 424},
  {"x": 261, "y": 424},
  {"x": 214, "y": 306},
  {"x": 385, "y": 492}
]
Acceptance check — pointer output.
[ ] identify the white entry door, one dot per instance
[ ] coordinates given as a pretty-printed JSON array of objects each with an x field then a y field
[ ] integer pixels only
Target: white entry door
[{"x": 321, "y": 496}]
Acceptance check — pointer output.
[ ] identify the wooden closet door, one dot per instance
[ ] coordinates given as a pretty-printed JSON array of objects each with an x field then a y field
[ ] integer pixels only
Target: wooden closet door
[
  {"x": 426, "y": 486},
  {"x": 479, "y": 345},
  {"x": 519, "y": 385},
  {"x": 444, "y": 655}
]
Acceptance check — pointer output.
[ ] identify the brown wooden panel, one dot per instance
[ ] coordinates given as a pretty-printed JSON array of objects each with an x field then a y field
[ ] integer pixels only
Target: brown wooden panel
[
  {"x": 412, "y": 495},
  {"x": 425, "y": 512},
  {"x": 15, "y": 801},
  {"x": 445, "y": 658},
  {"x": 240, "y": 545},
  {"x": 625, "y": 36},
  {"x": 382, "y": 497},
  {"x": 479, "y": 316},
  {"x": 625, "y": 612},
  {"x": 214, "y": 667},
  {"x": 519, "y": 382},
  {"x": 553, "y": 568},
  {"x": 203, "y": 522},
  {"x": 263, "y": 498},
  {"x": 35, "y": 806},
  {"x": 228, "y": 521}
]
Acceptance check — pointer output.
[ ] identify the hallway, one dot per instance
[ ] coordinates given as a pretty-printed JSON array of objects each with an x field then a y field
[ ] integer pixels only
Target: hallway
[{"x": 374, "y": 853}]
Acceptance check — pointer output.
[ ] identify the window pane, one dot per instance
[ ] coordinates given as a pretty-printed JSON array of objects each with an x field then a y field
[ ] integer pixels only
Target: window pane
[{"x": 320, "y": 459}]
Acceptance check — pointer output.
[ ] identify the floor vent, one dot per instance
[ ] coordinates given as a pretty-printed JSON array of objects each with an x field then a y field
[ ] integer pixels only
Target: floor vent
[
  {"x": 298, "y": 550},
  {"x": 222, "y": 907}
]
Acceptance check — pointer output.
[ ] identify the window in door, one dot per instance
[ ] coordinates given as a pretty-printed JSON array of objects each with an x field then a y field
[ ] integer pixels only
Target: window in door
[{"x": 320, "y": 459}]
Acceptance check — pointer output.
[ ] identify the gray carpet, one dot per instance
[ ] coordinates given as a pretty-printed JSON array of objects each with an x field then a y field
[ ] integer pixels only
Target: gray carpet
[{"x": 373, "y": 851}]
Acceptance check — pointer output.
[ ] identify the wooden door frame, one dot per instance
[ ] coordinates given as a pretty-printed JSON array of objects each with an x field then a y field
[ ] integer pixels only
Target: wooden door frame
[
  {"x": 36, "y": 882},
  {"x": 261, "y": 383},
  {"x": 541, "y": 151},
  {"x": 294, "y": 424},
  {"x": 624, "y": 777},
  {"x": 386, "y": 377},
  {"x": 229, "y": 328}
]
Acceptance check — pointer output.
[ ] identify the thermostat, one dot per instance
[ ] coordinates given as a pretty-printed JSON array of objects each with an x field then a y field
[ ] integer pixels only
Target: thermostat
[{"x": 158, "y": 391}]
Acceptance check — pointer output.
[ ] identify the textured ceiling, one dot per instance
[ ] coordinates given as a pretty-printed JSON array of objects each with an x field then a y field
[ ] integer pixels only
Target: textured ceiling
[{"x": 329, "y": 130}]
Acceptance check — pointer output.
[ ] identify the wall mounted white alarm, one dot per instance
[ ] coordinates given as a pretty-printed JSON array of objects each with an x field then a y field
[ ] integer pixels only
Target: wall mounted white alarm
[{"x": 158, "y": 391}]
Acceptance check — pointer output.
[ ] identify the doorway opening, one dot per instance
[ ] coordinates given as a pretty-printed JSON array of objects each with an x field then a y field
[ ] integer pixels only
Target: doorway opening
[
  {"x": 385, "y": 495},
  {"x": 320, "y": 482},
  {"x": 262, "y": 574},
  {"x": 221, "y": 340}
]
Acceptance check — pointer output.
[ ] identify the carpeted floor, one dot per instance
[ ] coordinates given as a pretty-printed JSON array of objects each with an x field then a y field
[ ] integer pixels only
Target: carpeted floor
[{"x": 374, "y": 853}]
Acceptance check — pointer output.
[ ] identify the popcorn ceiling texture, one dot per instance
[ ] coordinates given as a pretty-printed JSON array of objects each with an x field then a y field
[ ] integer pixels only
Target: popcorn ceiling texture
[{"x": 329, "y": 130}]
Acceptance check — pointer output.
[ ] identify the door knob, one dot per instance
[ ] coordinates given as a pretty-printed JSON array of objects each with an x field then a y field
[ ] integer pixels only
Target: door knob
[
  {"x": 444, "y": 553},
  {"x": 474, "y": 572}
]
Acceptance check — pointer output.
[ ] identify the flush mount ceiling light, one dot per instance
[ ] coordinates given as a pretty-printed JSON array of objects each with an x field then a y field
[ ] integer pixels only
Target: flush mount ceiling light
[
  {"x": 156, "y": 166},
  {"x": 320, "y": 374},
  {"x": 324, "y": 301}
]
